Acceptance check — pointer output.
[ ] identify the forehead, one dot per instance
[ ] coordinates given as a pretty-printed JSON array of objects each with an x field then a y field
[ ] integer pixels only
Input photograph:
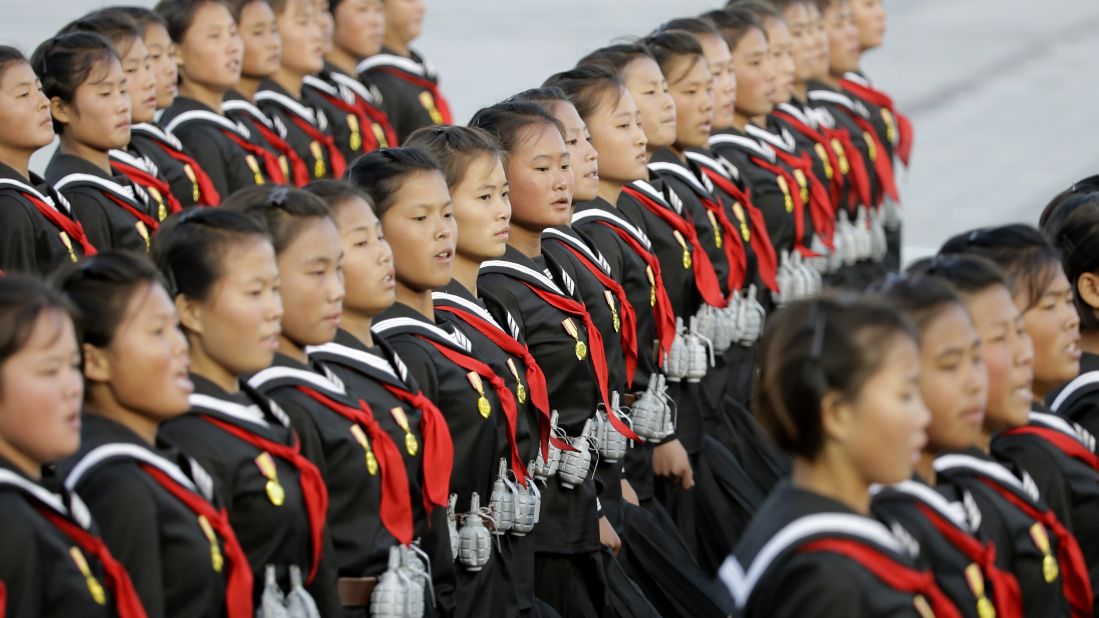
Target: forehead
[{"x": 15, "y": 73}]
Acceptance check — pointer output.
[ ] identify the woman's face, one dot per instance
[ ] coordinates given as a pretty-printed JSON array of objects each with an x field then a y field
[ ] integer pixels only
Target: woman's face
[
  {"x": 540, "y": 175},
  {"x": 367, "y": 259},
  {"x": 25, "y": 121},
  {"x": 145, "y": 366},
  {"x": 692, "y": 87},
  {"x": 404, "y": 19},
  {"x": 421, "y": 229},
  {"x": 238, "y": 325},
  {"x": 162, "y": 55},
  {"x": 782, "y": 59},
  {"x": 884, "y": 433},
  {"x": 843, "y": 37},
  {"x": 360, "y": 27},
  {"x": 1054, "y": 326},
  {"x": 755, "y": 75},
  {"x": 311, "y": 271},
  {"x": 41, "y": 391},
  {"x": 650, "y": 92},
  {"x": 720, "y": 61},
  {"x": 210, "y": 53},
  {"x": 1008, "y": 356},
  {"x": 803, "y": 39},
  {"x": 262, "y": 45},
  {"x": 618, "y": 136},
  {"x": 326, "y": 22},
  {"x": 870, "y": 21},
  {"x": 953, "y": 380},
  {"x": 140, "y": 81},
  {"x": 482, "y": 209},
  {"x": 584, "y": 158},
  {"x": 819, "y": 33},
  {"x": 99, "y": 114},
  {"x": 300, "y": 31}
]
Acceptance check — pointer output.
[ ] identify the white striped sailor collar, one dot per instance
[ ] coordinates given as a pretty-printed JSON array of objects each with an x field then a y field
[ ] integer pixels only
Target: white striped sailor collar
[
  {"x": 392, "y": 371},
  {"x": 858, "y": 78},
  {"x": 838, "y": 98},
  {"x": 142, "y": 163},
  {"x": 716, "y": 162},
  {"x": 287, "y": 103},
  {"x": 1073, "y": 430},
  {"x": 247, "y": 107},
  {"x": 259, "y": 413},
  {"x": 151, "y": 130},
  {"x": 567, "y": 235},
  {"x": 133, "y": 193},
  {"x": 989, "y": 469},
  {"x": 752, "y": 146},
  {"x": 455, "y": 294},
  {"x": 515, "y": 264},
  {"x": 199, "y": 481},
  {"x": 741, "y": 581},
  {"x": 1079, "y": 383},
  {"x": 370, "y": 95},
  {"x": 403, "y": 319},
  {"x": 610, "y": 215},
  {"x": 202, "y": 115},
  {"x": 954, "y": 512},
  {"x": 415, "y": 65},
  {"x": 26, "y": 188},
  {"x": 783, "y": 141},
  {"x": 664, "y": 162},
  {"x": 285, "y": 371},
  {"x": 672, "y": 202},
  {"x": 68, "y": 505},
  {"x": 798, "y": 113}
]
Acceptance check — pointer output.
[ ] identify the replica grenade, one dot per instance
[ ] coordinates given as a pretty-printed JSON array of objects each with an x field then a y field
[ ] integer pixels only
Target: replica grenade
[
  {"x": 527, "y": 504},
  {"x": 576, "y": 464},
  {"x": 877, "y": 234},
  {"x": 650, "y": 411},
  {"x": 675, "y": 366},
  {"x": 865, "y": 240},
  {"x": 452, "y": 525},
  {"x": 750, "y": 318},
  {"x": 475, "y": 541},
  {"x": 417, "y": 577},
  {"x": 298, "y": 603},
  {"x": 392, "y": 597},
  {"x": 700, "y": 354},
  {"x": 610, "y": 443},
  {"x": 503, "y": 500},
  {"x": 273, "y": 601},
  {"x": 850, "y": 241},
  {"x": 545, "y": 468}
]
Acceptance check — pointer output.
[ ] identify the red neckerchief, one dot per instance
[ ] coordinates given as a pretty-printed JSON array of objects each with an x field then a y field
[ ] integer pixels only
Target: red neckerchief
[
  {"x": 820, "y": 205},
  {"x": 536, "y": 380},
  {"x": 121, "y": 586},
  {"x": 238, "y": 587},
  {"x": 897, "y": 576},
  {"x": 396, "y": 506},
  {"x": 335, "y": 157},
  {"x": 1005, "y": 588},
  {"x": 438, "y": 447},
  {"x": 144, "y": 179},
  {"x": 883, "y": 165},
  {"x": 705, "y": 276},
  {"x": 369, "y": 140},
  {"x": 208, "y": 194},
  {"x": 270, "y": 161},
  {"x": 1067, "y": 444},
  {"x": 299, "y": 174},
  {"x": 379, "y": 118},
  {"x": 857, "y": 174},
  {"x": 507, "y": 400},
  {"x": 1074, "y": 570},
  {"x": 144, "y": 217},
  {"x": 441, "y": 103},
  {"x": 905, "y": 135},
  {"x": 629, "y": 316},
  {"x": 793, "y": 191},
  {"x": 733, "y": 245},
  {"x": 822, "y": 141},
  {"x": 663, "y": 314},
  {"x": 767, "y": 260},
  {"x": 314, "y": 492},
  {"x": 71, "y": 227}
]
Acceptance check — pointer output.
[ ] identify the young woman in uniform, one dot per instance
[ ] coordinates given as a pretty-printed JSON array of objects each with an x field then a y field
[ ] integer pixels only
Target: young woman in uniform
[
  {"x": 38, "y": 229},
  {"x": 210, "y": 56},
  {"x": 155, "y": 506},
  {"x": 54, "y": 563},
  {"x": 83, "y": 77},
  {"x": 412, "y": 201},
  {"x": 225, "y": 277},
  {"x": 408, "y": 83}
]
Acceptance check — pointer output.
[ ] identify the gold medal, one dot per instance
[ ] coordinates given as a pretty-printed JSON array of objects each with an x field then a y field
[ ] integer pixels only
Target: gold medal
[
  {"x": 652, "y": 285},
  {"x": 976, "y": 580},
  {"x": 890, "y": 125},
  {"x": 161, "y": 209},
  {"x": 143, "y": 232},
  {"x": 275, "y": 493},
  {"x": 920, "y": 604},
  {"x": 787, "y": 200},
  {"x": 410, "y": 443},
  {"x": 216, "y": 558},
  {"x": 985, "y": 608},
  {"x": 429, "y": 104},
  {"x": 94, "y": 587},
  {"x": 379, "y": 134},
  {"x": 284, "y": 165},
  {"x": 188, "y": 171},
  {"x": 745, "y": 231},
  {"x": 356, "y": 140},
  {"x": 686, "y": 251},
  {"x": 717, "y": 229},
  {"x": 581, "y": 348},
  {"x": 822, "y": 154},
  {"x": 371, "y": 460},
  {"x": 483, "y": 405},
  {"x": 871, "y": 147},
  {"x": 520, "y": 390},
  {"x": 317, "y": 151},
  {"x": 1050, "y": 570},
  {"x": 257, "y": 175},
  {"x": 65, "y": 240},
  {"x": 803, "y": 182},
  {"x": 845, "y": 165},
  {"x": 615, "y": 320}
]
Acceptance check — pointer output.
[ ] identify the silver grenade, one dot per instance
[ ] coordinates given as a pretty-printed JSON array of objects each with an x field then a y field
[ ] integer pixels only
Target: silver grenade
[
  {"x": 750, "y": 318},
  {"x": 299, "y": 604},
  {"x": 452, "y": 526},
  {"x": 475, "y": 541},
  {"x": 544, "y": 468},
  {"x": 700, "y": 354},
  {"x": 527, "y": 503},
  {"x": 502, "y": 501},
  {"x": 576, "y": 464},
  {"x": 390, "y": 596},
  {"x": 273, "y": 601},
  {"x": 416, "y": 576},
  {"x": 675, "y": 367},
  {"x": 650, "y": 410},
  {"x": 609, "y": 441}
]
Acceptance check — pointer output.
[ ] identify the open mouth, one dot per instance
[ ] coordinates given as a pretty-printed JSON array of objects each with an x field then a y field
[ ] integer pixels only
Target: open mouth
[{"x": 444, "y": 255}]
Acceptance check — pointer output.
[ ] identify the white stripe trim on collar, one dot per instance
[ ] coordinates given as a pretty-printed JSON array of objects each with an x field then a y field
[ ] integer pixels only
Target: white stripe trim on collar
[
  {"x": 952, "y": 511},
  {"x": 237, "y": 105},
  {"x": 399, "y": 323},
  {"x": 596, "y": 213},
  {"x": 743, "y": 142},
  {"x": 114, "y": 450},
  {"x": 1084, "y": 379},
  {"x": 988, "y": 468},
  {"x": 354, "y": 85},
  {"x": 203, "y": 115},
  {"x": 140, "y": 163},
  {"x": 251, "y": 414},
  {"x": 289, "y": 104},
  {"x": 470, "y": 306},
  {"x": 359, "y": 356},
  {"x": 315, "y": 82},
  {"x": 597, "y": 259},
  {"x": 682, "y": 173},
  {"x": 722, "y": 166},
  {"x": 741, "y": 583},
  {"x": 102, "y": 183},
  {"x": 858, "y": 79},
  {"x": 534, "y": 274},
  {"x": 784, "y": 142},
  {"x": 796, "y": 112},
  {"x": 279, "y": 373},
  {"x": 828, "y": 96},
  {"x": 22, "y": 186},
  {"x": 400, "y": 62},
  {"x": 149, "y": 128},
  {"x": 47, "y": 497}
]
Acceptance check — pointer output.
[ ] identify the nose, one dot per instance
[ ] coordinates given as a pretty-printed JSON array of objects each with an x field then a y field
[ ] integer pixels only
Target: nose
[
  {"x": 1025, "y": 353},
  {"x": 273, "y": 310},
  {"x": 336, "y": 288}
]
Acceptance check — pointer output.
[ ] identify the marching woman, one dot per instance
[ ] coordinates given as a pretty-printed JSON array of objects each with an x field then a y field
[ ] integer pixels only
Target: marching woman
[
  {"x": 1030, "y": 540},
  {"x": 954, "y": 386},
  {"x": 225, "y": 277},
  {"x": 38, "y": 230},
  {"x": 408, "y": 83},
  {"x": 54, "y": 563},
  {"x": 280, "y": 96},
  {"x": 209, "y": 49},
  {"x": 838, "y": 388},
  {"x": 83, "y": 77},
  {"x": 413, "y": 204},
  {"x": 155, "y": 506}
]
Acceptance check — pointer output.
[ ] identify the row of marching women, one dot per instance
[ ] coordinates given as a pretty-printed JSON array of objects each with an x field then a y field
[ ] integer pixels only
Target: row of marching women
[{"x": 631, "y": 342}]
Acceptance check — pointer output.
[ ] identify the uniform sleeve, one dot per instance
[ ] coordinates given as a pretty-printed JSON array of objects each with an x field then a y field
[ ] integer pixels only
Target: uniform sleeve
[
  {"x": 811, "y": 585},
  {"x": 125, "y": 512},
  {"x": 89, "y": 211},
  {"x": 17, "y": 239},
  {"x": 303, "y": 424},
  {"x": 768, "y": 198},
  {"x": 20, "y": 565},
  {"x": 420, "y": 366},
  {"x": 203, "y": 146}
]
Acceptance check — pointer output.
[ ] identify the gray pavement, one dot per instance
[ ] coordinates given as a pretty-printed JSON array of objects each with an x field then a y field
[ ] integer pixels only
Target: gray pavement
[{"x": 1000, "y": 91}]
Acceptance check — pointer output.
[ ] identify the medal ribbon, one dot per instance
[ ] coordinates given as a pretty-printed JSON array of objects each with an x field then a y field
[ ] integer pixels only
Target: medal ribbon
[
  {"x": 69, "y": 226},
  {"x": 335, "y": 157},
  {"x": 438, "y": 447},
  {"x": 767, "y": 260},
  {"x": 299, "y": 173},
  {"x": 270, "y": 161},
  {"x": 879, "y": 98},
  {"x": 145, "y": 179},
  {"x": 208, "y": 194}
]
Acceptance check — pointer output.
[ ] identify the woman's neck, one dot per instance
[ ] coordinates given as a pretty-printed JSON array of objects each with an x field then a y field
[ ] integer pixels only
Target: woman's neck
[
  {"x": 16, "y": 159},
  {"x": 358, "y": 325},
  {"x": 30, "y": 468},
  {"x": 395, "y": 45},
  {"x": 207, "y": 96},
  {"x": 679, "y": 151},
  {"x": 466, "y": 270},
  {"x": 291, "y": 82},
  {"x": 609, "y": 190},
  {"x": 801, "y": 90},
  {"x": 1089, "y": 341},
  {"x": 101, "y": 402},
  {"x": 526, "y": 241},
  {"x": 418, "y": 300},
  {"x": 832, "y": 81},
  {"x": 292, "y": 349},
  {"x": 248, "y": 86},
  {"x": 833, "y": 477},
  {"x": 984, "y": 441},
  {"x": 204, "y": 366},
  {"x": 343, "y": 61},
  {"x": 926, "y": 467},
  {"x": 99, "y": 158},
  {"x": 760, "y": 121},
  {"x": 740, "y": 121}
]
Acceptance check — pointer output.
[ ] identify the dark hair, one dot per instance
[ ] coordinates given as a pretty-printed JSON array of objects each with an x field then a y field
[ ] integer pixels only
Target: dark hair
[
  {"x": 178, "y": 15},
  {"x": 693, "y": 25},
  {"x": 189, "y": 248},
  {"x": 115, "y": 26},
  {"x": 588, "y": 86},
  {"x": 279, "y": 209},
  {"x": 824, "y": 5},
  {"x": 508, "y": 120},
  {"x": 454, "y": 148},
  {"x": 811, "y": 347},
  {"x": 1071, "y": 221},
  {"x": 669, "y": 45},
  {"x": 778, "y": 5},
  {"x": 921, "y": 298},
  {"x": 236, "y": 7},
  {"x": 9, "y": 56},
  {"x": 101, "y": 287},
  {"x": 762, "y": 10},
  {"x": 544, "y": 96},
  {"x": 66, "y": 61},
  {"x": 23, "y": 299},
  {"x": 967, "y": 274},
  {"x": 333, "y": 193},
  {"x": 617, "y": 56},
  {"x": 380, "y": 173},
  {"x": 1026, "y": 257},
  {"x": 142, "y": 16},
  {"x": 735, "y": 21}
]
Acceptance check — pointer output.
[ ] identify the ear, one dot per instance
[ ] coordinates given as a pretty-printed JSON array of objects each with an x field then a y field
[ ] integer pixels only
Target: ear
[
  {"x": 190, "y": 314},
  {"x": 97, "y": 367},
  {"x": 1087, "y": 286},
  {"x": 62, "y": 111},
  {"x": 837, "y": 417}
]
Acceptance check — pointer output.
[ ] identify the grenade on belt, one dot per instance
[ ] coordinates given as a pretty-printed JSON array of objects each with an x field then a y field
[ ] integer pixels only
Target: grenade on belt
[
  {"x": 611, "y": 444},
  {"x": 575, "y": 465},
  {"x": 299, "y": 604},
  {"x": 526, "y": 508},
  {"x": 705, "y": 320},
  {"x": 390, "y": 596},
  {"x": 816, "y": 279},
  {"x": 835, "y": 259},
  {"x": 502, "y": 501},
  {"x": 476, "y": 541},
  {"x": 649, "y": 411},
  {"x": 877, "y": 235},
  {"x": 273, "y": 601},
  {"x": 700, "y": 355},
  {"x": 750, "y": 318},
  {"x": 784, "y": 278},
  {"x": 802, "y": 284},
  {"x": 862, "y": 226},
  {"x": 726, "y": 333},
  {"x": 416, "y": 576},
  {"x": 850, "y": 242},
  {"x": 675, "y": 367},
  {"x": 545, "y": 468},
  {"x": 452, "y": 525}
]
